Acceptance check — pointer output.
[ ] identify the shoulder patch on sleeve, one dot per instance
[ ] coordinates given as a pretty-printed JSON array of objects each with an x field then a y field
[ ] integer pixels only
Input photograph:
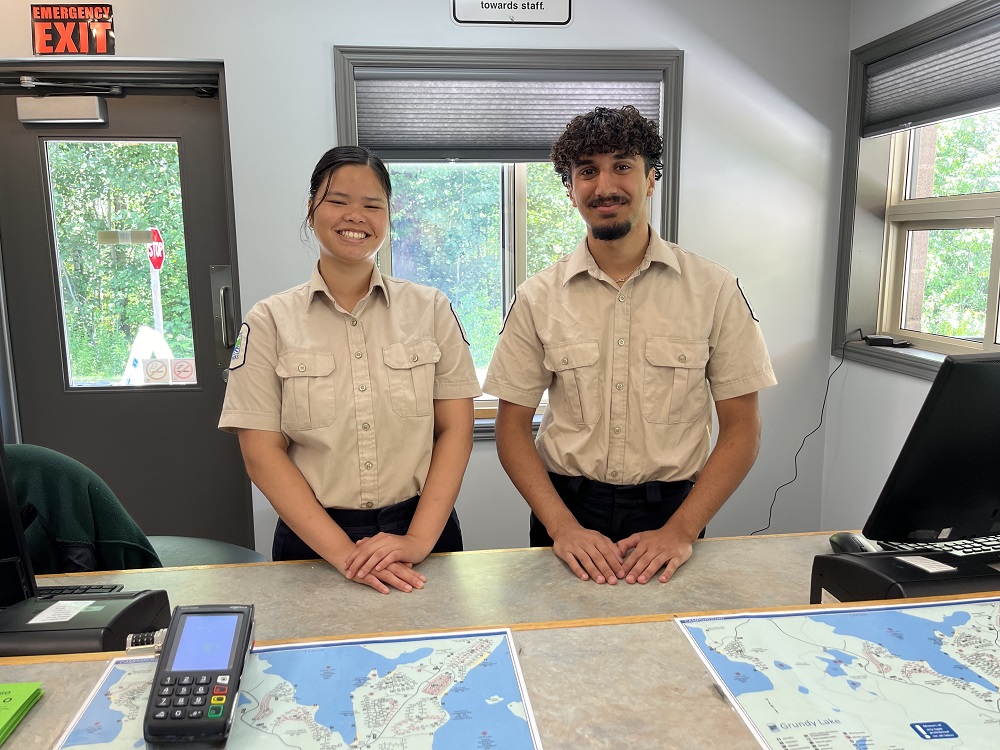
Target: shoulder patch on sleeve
[
  {"x": 240, "y": 350},
  {"x": 744, "y": 295},
  {"x": 461, "y": 328}
]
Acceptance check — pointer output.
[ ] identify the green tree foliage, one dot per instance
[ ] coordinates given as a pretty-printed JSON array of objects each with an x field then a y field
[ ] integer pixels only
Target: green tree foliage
[
  {"x": 968, "y": 155},
  {"x": 448, "y": 232},
  {"x": 956, "y": 283},
  {"x": 966, "y": 162},
  {"x": 106, "y": 294},
  {"x": 554, "y": 225}
]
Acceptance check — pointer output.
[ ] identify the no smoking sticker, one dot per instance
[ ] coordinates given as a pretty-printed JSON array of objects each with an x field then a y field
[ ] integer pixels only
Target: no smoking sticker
[
  {"x": 182, "y": 371},
  {"x": 155, "y": 371}
]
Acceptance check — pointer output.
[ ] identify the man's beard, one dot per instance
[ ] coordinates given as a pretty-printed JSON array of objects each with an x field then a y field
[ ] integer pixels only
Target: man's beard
[{"x": 610, "y": 232}]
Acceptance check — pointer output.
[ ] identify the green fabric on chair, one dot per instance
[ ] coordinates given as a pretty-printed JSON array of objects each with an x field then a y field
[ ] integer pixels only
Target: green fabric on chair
[{"x": 73, "y": 521}]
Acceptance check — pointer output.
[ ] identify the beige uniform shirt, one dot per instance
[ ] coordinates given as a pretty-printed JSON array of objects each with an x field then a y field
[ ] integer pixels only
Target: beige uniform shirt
[
  {"x": 631, "y": 372},
  {"x": 353, "y": 392}
]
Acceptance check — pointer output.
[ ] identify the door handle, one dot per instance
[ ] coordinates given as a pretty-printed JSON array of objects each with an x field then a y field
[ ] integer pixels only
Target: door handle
[
  {"x": 225, "y": 300},
  {"x": 224, "y": 320}
]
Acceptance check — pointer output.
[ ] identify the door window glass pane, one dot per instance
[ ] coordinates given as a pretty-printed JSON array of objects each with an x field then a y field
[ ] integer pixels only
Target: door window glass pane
[
  {"x": 956, "y": 157},
  {"x": 554, "y": 226},
  {"x": 447, "y": 233},
  {"x": 946, "y": 282},
  {"x": 126, "y": 323}
]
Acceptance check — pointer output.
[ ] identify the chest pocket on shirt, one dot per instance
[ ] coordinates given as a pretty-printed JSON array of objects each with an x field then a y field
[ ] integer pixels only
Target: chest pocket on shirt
[
  {"x": 410, "y": 369},
  {"x": 308, "y": 395},
  {"x": 674, "y": 388},
  {"x": 578, "y": 380}
]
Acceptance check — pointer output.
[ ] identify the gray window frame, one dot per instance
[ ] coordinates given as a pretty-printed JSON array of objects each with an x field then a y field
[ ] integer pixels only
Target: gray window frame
[
  {"x": 669, "y": 63},
  {"x": 864, "y": 200}
]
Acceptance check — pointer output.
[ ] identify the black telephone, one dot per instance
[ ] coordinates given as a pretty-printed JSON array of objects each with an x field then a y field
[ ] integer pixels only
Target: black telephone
[{"x": 197, "y": 680}]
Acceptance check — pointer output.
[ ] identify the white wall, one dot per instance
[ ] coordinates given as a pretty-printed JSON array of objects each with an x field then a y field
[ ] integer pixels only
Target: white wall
[
  {"x": 763, "y": 121},
  {"x": 870, "y": 410}
]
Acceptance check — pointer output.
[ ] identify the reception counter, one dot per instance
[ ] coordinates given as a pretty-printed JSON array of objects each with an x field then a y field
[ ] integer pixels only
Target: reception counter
[{"x": 605, "y": 666}]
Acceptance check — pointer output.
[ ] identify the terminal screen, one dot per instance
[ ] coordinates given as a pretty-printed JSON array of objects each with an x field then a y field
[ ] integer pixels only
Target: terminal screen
[{"x": 205, "y": 643}]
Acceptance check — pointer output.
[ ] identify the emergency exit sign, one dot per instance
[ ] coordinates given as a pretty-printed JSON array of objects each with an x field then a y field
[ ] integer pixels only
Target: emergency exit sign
[{"x": 72, "y": 30}]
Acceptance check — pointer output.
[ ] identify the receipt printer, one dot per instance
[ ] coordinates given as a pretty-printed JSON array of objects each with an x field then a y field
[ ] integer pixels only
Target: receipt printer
[
  {"x": 863, "y": 576},
  {"x": 76, "y": 623}
]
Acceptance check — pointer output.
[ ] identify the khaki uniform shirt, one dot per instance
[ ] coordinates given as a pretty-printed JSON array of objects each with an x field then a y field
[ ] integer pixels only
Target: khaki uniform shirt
[
  {"x": 630, "y": 372},
  {"x": 353, "y": 392}
]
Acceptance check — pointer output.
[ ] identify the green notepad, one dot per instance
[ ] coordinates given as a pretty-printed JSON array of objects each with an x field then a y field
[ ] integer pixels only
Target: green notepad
[{"x": 16, "y": 699}]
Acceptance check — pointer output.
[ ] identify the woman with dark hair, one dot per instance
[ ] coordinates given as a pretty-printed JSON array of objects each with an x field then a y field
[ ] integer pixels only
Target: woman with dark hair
[{"x": 352, "y": 395}]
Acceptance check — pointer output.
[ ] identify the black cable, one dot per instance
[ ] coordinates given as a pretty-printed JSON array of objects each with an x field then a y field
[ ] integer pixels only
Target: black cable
[{"x": 822, "y": 411}]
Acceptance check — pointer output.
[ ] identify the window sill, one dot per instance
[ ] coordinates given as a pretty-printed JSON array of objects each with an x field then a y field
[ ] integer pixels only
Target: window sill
[
  {"x": 486, "y": 429},
  {"x": 918, "y": 363}
]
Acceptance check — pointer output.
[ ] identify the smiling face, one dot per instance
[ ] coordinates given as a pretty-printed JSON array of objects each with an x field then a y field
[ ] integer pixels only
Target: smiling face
[
  {"x": 350, "y": 215},
  {"x": 610, "y": 192}
]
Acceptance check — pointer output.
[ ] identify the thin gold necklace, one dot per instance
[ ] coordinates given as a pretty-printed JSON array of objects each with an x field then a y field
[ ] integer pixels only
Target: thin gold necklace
[{"x": 627, "y": 276}]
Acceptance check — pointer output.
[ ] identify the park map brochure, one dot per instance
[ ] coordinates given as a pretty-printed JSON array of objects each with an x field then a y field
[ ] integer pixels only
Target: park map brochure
[
  {"x": 889, "y": 677},
  {"x": 461, "y": 690},
  {"x": 16, "y": 699}
]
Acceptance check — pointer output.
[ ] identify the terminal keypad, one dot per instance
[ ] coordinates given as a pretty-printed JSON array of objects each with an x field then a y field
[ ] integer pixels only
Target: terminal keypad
[{"x": 184, "y": 696}]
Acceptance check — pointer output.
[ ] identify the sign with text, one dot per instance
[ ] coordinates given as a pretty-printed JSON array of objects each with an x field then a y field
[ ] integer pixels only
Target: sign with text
[
  {"x": 512, "y": 12},
  {"x": 155, "y": 371},
  {"x": 182, "y": 371},
  {"x": 155, "y": 249},
  {"x": 72, "y": 30}
]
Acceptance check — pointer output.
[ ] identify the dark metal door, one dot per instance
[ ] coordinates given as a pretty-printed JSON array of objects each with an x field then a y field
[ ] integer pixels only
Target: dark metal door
[{"x": 116, "y": 362}]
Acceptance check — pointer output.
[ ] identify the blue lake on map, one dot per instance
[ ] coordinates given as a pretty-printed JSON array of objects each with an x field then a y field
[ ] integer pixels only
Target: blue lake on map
[
  {"x": 739, "y": 676},
  {"x": 908, "y": 637},
  {"x": 100, "y": 723},
  {"x": 330, "y": 689},
  {"x": 470, "y": 715},
  {"x": 837, "y": 658}
]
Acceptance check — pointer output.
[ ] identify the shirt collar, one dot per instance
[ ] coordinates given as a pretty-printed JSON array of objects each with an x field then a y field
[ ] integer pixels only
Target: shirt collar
[
  {"x": 317, "y": 285},
  {"x": 657, "y": 251}
]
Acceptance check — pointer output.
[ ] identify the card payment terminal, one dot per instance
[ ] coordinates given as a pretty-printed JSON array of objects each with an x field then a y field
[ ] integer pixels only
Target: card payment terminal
[{"x": 197, "y": 681}]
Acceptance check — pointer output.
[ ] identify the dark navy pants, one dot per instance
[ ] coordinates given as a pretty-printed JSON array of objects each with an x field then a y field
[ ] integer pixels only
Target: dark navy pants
[
  {"x": 358, "y": 524},
  {"x": 615, "y": 510}
]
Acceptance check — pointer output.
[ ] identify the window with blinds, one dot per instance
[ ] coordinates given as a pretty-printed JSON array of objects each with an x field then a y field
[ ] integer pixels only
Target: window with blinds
[
  {"x": 505, "y": 117},
  {"x": 924, "y": 131},
  {"x": 477, "y": 207}
]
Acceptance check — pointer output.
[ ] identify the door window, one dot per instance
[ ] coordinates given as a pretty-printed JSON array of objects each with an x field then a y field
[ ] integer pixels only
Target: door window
[{"x": 122, "y": 267}]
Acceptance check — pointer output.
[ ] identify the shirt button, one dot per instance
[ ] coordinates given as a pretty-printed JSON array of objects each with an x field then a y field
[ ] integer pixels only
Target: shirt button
[
  {"x": 357, "y": 355},
  {"x": 614, "y": 473},
  {"x": 621, "y": 297},
  {"x": 302, "y": 368},
  {"x": 354, "y": 322},
  {"x": 362, "y": 387},
  {"x": 366, "y": 426},
  {"x": 618, "y": 430},
  {"x": 414, "y": 358},
  {"x": 369, "y": 504},
  {"x": 368, "y": 464},
  {"x": 621, "y": 342},
  {"x": 619, "y": 386},
  {"x": 565, "y": 360},
  {"x": 682, "y": 358}
]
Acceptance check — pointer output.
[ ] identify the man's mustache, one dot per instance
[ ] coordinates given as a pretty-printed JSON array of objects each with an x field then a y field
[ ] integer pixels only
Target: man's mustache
[{"x": 612, "y": 200}]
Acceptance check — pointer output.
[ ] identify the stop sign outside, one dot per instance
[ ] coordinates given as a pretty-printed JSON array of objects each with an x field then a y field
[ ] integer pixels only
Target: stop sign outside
[{"x": 155, "y": 249}]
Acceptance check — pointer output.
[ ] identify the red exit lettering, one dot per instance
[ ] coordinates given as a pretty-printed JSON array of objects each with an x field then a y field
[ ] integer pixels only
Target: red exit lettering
[{"x": 73, "y": 38}]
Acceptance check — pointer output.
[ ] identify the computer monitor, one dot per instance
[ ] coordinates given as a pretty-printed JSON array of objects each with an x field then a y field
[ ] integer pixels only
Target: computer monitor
[
  {"x": 945, "y": 483},
  {"x": 17, "y": 579}
]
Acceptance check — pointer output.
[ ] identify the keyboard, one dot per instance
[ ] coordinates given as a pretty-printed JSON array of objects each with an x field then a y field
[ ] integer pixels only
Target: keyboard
[
  {"x": 976, "y": 546},
  {"x": 93, "y": 588}
]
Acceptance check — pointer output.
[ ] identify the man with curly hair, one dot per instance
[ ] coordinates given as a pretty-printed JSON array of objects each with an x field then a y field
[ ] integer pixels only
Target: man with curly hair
[{"x": 634, "y": 338}]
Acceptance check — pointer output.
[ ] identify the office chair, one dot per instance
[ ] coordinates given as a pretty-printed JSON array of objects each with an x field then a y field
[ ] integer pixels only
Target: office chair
[{"x": 73, "y": 521}]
